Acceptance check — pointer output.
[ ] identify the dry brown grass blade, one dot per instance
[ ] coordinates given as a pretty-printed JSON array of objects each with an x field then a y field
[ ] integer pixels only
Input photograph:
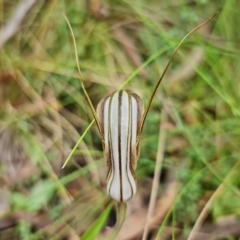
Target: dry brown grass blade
[
  {"x": 129, "y": 46},
  {"x": 224, "y": 230},
  {"x": 210, "y": 202},
  {"x": 185, "y": 70},
  {"x": 204, "y": 213},
  {"x": 13, "y": 25},
  {"x": 130, "y": 231},
  {"x": 193, "y": 60},
  {"x": 157, "y": 172},
  {"x": 50, "y": 67}
]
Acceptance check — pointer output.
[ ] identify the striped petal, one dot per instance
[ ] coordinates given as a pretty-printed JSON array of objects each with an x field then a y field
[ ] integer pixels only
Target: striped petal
[{"x": 119, "y": 116}]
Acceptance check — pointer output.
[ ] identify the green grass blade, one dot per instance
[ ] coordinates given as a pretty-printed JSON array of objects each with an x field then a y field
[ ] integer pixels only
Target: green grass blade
[
  {"x": 95, "y": 229},
  {"x": 78, "y": 142}
]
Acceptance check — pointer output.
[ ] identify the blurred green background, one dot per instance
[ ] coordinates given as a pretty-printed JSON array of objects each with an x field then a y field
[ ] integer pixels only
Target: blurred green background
[{"x": 43, "y": 113}]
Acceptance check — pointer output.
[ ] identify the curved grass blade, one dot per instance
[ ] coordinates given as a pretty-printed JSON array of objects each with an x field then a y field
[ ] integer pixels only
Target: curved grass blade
[
  {"x": 80, "y": 76},
  {"x": 166, "y": 68}
]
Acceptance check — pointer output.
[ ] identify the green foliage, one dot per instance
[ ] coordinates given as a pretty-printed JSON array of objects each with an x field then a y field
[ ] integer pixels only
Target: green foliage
[{"x": 39, "y": 196}]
